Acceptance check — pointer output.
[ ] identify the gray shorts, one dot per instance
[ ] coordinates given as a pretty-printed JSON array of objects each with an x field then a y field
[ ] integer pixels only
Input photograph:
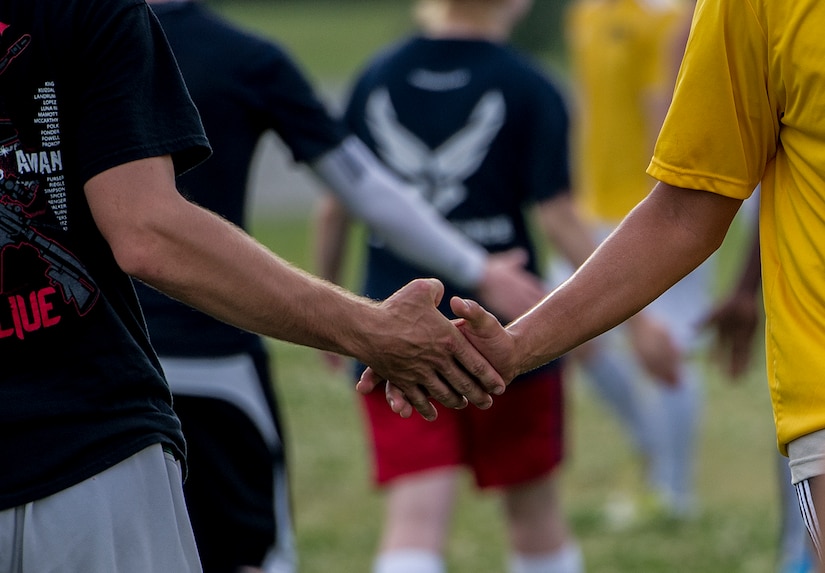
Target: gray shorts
[{"x": 130, "y": 518}]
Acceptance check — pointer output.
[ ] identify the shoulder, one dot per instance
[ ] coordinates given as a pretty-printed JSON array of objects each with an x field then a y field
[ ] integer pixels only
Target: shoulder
[
  {"x": 102, "y": 14},
  {"x": 390, "y": 57},
  {"x": 526, "y": 73},
  {"x": 207, "y": 28},
  {"x": 383, "y": 64}
]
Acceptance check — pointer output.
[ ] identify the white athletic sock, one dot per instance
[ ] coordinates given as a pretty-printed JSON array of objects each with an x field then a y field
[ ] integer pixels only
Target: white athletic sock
[
  {"x": 681, "y": 406},
  {"x": 408, "y": 561},
  {"x": 568, "y": 559}
]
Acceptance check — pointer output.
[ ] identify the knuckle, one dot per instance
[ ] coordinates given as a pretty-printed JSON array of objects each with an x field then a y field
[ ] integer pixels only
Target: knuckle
[{"x": 448, "y": 398}]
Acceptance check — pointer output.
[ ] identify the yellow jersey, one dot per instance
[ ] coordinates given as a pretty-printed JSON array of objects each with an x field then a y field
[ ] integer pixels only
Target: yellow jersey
[
  {"x": 621, "y": 57},
  {"x": 749, "y": 106}
]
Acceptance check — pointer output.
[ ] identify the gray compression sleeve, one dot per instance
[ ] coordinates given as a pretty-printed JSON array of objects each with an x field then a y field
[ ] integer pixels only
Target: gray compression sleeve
[{"x": 410, "y": 226}]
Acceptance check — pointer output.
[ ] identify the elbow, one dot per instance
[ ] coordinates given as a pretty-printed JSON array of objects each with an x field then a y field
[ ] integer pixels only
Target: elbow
[{"x": 136, "y": 253}]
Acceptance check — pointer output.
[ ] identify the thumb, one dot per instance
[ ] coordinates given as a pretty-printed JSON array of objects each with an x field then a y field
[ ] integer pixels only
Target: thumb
[
  {"x": 473, "y": 315},
  {"x": 436, "y": 289},
  {"x": 486, "y": 333}
]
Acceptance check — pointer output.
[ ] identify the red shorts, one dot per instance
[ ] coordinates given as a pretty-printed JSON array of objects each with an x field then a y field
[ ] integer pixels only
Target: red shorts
[{"x": 519, "y": 439}]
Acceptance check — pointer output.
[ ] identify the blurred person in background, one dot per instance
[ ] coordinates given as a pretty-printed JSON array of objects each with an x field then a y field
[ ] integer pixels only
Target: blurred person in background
[
  {"x": 482, "y": 133},
  {"x": 624, "y": 55}
]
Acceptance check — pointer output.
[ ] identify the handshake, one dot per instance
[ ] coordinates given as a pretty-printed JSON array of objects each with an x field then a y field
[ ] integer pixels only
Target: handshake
[{"x": 418, "y": 354}]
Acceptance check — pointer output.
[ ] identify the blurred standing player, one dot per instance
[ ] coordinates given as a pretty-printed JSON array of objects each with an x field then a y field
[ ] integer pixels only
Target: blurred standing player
[
  {"x": 96, "y": 123},
  {"x": 244, "y": 86},
  {"x": 483, "y": 135},
  {"x": 624, "y": 55}
]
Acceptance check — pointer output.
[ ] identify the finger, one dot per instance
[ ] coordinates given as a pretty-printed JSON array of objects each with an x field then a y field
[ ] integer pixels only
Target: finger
[
  {"x": 474, "y": 369},
  {"x": 475, "y": 317},
  {"x": 450, "y": 386},
  {"x": 489, "y": 340},
  {"x": 471, "y": 370},
  {"x": 397, "y": 401},
  {"x": 466, "y": 308},
  {"x": 420, "y": 401},
  {"x": 415, "y": 397},
  {"x": 461, "y": 390},
  {"x": 369, "y": 381}
]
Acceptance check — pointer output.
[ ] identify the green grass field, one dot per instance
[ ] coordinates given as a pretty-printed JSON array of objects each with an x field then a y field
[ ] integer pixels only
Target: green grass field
[{"x": 338, "y": 515}]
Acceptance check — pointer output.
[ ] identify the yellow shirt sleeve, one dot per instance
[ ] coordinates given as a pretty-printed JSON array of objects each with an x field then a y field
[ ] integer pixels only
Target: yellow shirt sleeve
[{"x": 722, "y": 125}]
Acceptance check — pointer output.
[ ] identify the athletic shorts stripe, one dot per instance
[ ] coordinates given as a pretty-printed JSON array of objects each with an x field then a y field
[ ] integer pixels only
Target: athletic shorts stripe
[{"x": 806, "y": 505}]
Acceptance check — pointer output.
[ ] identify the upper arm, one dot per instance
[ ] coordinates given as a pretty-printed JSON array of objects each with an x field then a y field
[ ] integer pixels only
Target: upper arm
[
  {"x": 131, "y": 202},
  {"x": 697, "y": 220}
]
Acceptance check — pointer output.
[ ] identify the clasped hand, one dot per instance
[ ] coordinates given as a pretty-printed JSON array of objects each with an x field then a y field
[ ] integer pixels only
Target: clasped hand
[{"x": 466, "y": 359}]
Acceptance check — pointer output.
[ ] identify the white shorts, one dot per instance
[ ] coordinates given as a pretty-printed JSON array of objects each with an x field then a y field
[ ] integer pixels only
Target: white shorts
[{"x": 130, "y": 518}]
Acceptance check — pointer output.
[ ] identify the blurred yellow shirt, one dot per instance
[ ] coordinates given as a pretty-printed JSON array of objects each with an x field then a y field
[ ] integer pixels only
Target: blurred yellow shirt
[
  {"x": 749, "y": 105},
  {"x": 621, "y": 57}
]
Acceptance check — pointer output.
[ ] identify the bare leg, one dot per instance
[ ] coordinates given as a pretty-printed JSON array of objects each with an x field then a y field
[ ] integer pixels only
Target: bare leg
[
  {"x": 419, "y": 509},
  {"x": 539, "y": 535},
  {"x": 536, "y": 521}
]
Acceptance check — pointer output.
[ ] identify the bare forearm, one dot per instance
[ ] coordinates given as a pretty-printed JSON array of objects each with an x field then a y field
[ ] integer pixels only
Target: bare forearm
[
  {"x": 659, "y": 243},
  {"x": 201, "y": 259},
  {"x": 256, "y": 291}
]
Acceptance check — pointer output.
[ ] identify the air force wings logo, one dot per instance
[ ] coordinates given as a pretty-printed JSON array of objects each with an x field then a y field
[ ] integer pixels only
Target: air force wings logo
[{"x": 438, "y": 174}]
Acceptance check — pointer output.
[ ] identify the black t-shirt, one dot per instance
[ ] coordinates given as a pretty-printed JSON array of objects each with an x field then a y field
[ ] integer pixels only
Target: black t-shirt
[
  {"x": 243, "y": 87},
  {"x": 476, "y": 128},
  {"x": 84, "y": 86}
]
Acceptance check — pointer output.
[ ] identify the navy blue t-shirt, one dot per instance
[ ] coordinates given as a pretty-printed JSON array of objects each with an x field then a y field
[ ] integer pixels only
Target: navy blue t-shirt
[
  {"x": 476, "y": 128},
  {"x": 84, "y": 86},
  {"x": 243, "y": 87}
]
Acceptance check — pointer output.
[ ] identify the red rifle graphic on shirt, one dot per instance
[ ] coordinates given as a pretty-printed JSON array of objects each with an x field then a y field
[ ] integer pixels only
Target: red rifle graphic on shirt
[
  {"x": 14, "y": 50},
  {"x": 64, "y": 269}
]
